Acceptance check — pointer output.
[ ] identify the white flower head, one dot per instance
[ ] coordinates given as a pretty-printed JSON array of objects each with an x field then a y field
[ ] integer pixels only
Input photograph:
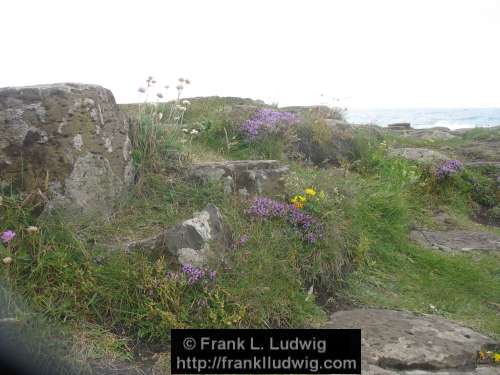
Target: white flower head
[
  {"x": 32, "y": 229},
  {"x": 184, "y": 130},
  {"x": 194, "y": 131},
  {"x": 186, "y": 102}
]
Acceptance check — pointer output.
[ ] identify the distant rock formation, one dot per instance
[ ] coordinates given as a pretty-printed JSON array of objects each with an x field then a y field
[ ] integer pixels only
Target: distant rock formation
[{"x": 68, "y": 140}]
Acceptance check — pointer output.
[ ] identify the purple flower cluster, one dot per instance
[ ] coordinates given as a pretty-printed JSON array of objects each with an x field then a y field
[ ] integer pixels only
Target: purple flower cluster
[
  {"x": 448, "y": 168},
  {"x": 197, "y": 274},
  {"x": 7, "y": 236},
  {"x": 267, "y": 208},
  {"x": 266, "y": 120}
]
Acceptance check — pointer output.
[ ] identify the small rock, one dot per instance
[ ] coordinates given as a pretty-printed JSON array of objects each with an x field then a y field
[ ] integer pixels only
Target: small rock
[{"x": 197, "y": 241}]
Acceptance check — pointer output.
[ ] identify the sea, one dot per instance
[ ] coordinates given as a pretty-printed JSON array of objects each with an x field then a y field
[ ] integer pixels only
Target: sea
[{"x": 421, "y": 118}]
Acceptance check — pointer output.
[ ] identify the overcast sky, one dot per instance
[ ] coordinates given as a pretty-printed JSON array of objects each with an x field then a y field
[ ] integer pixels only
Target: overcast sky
[{"x": 384, "y": 53}]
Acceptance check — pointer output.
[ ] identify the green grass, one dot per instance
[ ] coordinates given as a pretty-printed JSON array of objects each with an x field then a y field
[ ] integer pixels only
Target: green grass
[
  {"x": 462, "y": 287},
  {"x": 400, "y": 275},
  {"x": 103, "y": 303}
]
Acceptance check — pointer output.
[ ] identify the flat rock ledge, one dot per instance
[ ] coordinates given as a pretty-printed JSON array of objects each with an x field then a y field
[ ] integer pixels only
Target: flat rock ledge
[
  {"x": 419, "y": 155},
  {"x": 247, "y": 177},
  {"x": 399, "y": 342},
  {"x": 198, "y": 241},
  {"x": 456, "y": 240}
]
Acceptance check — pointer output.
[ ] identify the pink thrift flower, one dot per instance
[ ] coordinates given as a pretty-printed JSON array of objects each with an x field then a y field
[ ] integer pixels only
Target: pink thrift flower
[{"x": 7, "y": 236}]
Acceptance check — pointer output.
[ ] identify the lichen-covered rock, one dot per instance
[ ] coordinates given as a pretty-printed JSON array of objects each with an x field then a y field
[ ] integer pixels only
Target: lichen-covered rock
[
  {"x": 197, "y": 241},
  {"x": 244, "y": 176},
  {"x": 419, "y": 155},
  {"x": 398, "y": 342},
  {"x": 69, "y": 140}
]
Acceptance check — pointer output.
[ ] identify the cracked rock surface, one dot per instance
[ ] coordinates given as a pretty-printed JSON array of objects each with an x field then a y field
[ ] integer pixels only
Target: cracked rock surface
[
  {"x": 398, "y": 342},
  {"x": 456, "y": 240},
  {"x": 244, "y": 176}
]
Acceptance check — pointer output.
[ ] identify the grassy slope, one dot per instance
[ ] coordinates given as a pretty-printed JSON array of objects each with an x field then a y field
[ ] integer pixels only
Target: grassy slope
[{"x": 111, "y": 303}]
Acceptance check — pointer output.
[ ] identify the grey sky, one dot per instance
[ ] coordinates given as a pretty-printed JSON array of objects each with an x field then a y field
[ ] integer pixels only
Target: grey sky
[{"x": 385, "y": 53}]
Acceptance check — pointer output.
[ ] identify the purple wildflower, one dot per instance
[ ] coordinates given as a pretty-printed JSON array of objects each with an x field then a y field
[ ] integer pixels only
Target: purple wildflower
[
  {"x": 7, "y": 236},
  {"x": 142, "y": 90},
  {"x": 448, "y": 168},
  {"x": 241, "y": 241},
  {"x": 193, "y": 274},
  {"x": 306, "y": 224},
  {"x": 197, "y": 274},
  {"x": 266, "y": 120}
]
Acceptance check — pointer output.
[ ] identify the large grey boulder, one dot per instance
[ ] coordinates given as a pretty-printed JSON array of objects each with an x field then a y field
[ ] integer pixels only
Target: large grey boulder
[
  {"x": 244, "y": 176},
  {"x": 398, "y": 342},
  {"x": 456, "y": 240},
  {"x": 420, "y": 155},
  {"x": 69, "y": 140},
  {"x": 200, "y": 240}
]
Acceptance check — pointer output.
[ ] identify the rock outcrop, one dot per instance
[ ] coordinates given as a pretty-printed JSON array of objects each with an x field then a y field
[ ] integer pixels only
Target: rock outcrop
[
  {"x": 69, "y": 140},
  {"x": 420, "y": 155},
  {"x": 197, "y": 241},
  {"x": 400, "y": 126},
  {"x": 398, "y": 342},
  {"x": 456, "y": 240},
  {"x": 244, "y": 176}
]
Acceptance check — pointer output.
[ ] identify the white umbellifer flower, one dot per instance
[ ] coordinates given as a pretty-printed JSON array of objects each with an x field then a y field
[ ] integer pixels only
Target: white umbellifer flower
[
  {"x": 186, "y": 102},
  {"x": 160, "y": 115},
  {"x": 180, "y": 107},
  {"x": 185, "y": 130},
  {"x": 32, "y": 229},
  {"x": 194, "y": 131},
  {"x": 7, "y": 260}
]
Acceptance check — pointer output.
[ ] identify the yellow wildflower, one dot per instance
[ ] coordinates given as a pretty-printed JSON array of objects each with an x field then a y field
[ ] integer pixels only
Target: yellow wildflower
[
  {"x": 497, "y": 357},
  {"x": 298, "y": 198},
  {"x": 298, "y": 204},
  {"x": 310, "y": 191}
]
